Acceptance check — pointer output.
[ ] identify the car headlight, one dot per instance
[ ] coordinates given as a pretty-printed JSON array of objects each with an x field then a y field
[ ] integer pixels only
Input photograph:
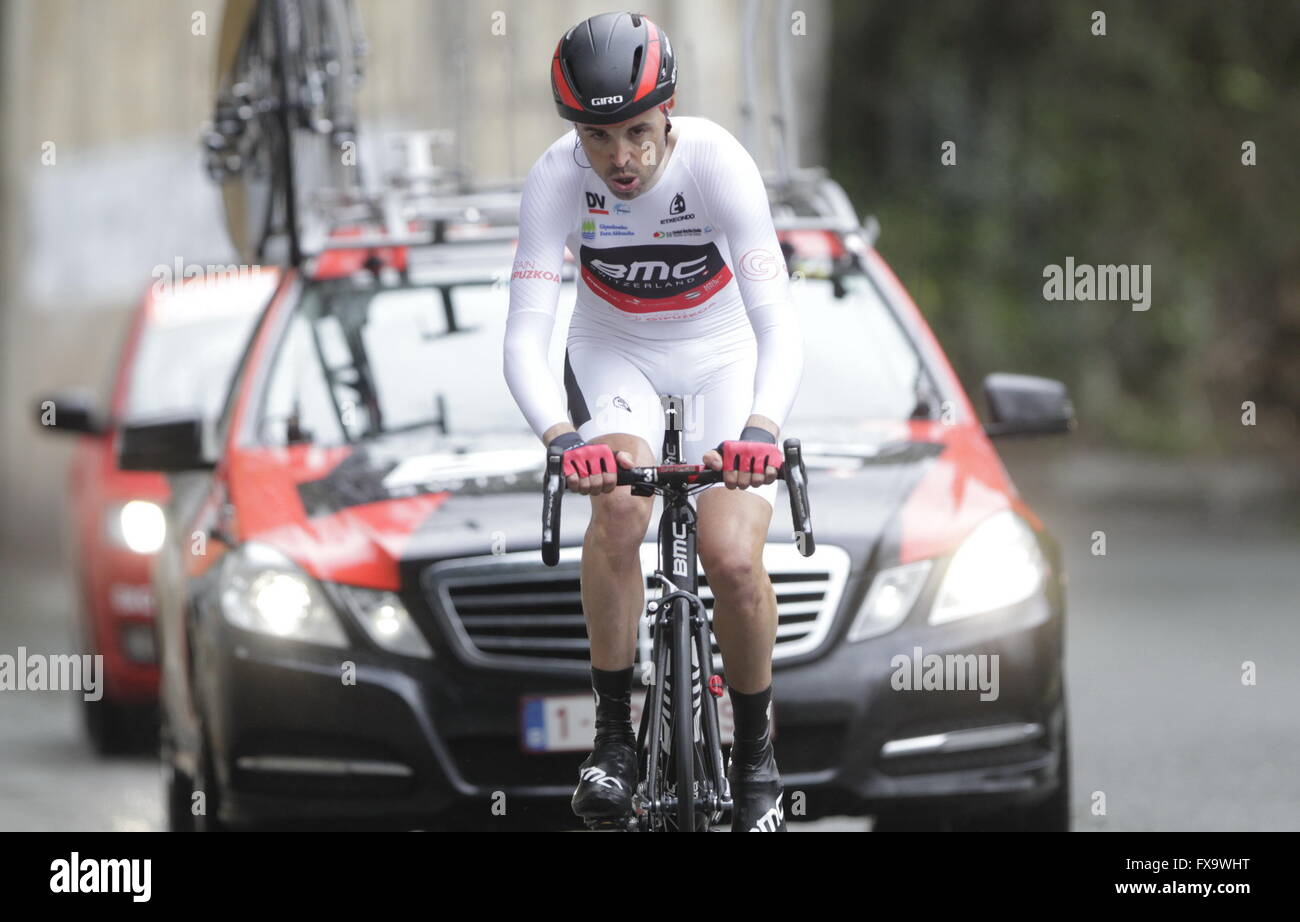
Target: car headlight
[
  {"x": 262, "y": 590},
  {"x": 999, "y": 564},
  {"x": 892, "y": 594},
  {"x": 138, "y": 525},
  {"x": 386, "y": 620}
]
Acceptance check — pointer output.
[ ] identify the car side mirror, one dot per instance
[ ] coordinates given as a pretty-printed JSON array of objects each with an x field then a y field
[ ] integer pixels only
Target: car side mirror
[
  {"x": 1026, "y": 405},
  {"x": 70, "y": 411},
  {"x": 169, "y": 444}
]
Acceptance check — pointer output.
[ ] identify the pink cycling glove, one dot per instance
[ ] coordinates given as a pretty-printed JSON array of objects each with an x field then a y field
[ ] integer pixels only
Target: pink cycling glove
[
  {"x": 753, "y": 452},
  {"x": 581, "y": 459}
]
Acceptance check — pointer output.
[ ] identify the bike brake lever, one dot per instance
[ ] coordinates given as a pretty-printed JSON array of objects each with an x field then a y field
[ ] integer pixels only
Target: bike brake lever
[
  {"x": 796, "y": 482},
  {"x": 552, "y": 494}
]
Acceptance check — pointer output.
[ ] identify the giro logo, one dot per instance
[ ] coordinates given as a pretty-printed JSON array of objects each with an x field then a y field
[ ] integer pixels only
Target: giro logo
[
  {"x": 606, "y": 100},
  {"x": 760, "y": 265},
  {"x": 678, "y": 205}
]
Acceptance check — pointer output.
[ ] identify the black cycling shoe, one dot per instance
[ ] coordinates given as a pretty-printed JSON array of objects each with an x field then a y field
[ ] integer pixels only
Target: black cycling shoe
[
  {"x": 606, "y": 781},
  {"x": 757, "y": 793}
]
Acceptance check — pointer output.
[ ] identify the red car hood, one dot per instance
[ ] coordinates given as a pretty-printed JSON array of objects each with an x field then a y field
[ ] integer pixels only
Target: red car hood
[{"x": 353, "y": 514}]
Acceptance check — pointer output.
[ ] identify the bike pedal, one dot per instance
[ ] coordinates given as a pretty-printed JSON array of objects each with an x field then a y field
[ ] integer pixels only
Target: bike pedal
[{"x": 609, "y": 824}]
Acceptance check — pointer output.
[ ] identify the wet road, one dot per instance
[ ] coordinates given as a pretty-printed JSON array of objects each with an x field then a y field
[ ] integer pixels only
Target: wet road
[{"x": 1159, "y": 628}]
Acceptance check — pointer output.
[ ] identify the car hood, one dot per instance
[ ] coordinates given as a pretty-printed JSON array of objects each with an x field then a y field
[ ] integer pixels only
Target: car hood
[{"x": 360, "y": 514}]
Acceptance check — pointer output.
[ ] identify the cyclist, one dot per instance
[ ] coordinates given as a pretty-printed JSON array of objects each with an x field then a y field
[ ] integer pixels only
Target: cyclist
[{"x": 682, "y": 290}]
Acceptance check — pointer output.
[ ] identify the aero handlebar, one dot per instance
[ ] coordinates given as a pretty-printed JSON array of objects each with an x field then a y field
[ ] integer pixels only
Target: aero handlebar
[{"x": 677, "y": 476}]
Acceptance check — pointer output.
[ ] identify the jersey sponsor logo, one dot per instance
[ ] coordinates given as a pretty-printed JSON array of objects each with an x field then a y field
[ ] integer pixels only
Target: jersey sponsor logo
[
  {"x": 759, "y": 264},
  {"x": 654, "y": 278},
  {"x": 596, "y": 204},
  {"x": 616, "y": 230},
  {"x": 588, "y": 230},
  {"x": 680, "y": 232},
  {"x": 527, "y": 269},
  {"x": 677, "y": 208},
  {"x": 620, "y": 208}
]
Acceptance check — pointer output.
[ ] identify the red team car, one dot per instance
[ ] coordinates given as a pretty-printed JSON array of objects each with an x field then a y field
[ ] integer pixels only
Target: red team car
[
  {"x": 356, "y": 623},
  {"x": 179, "y": 350}
]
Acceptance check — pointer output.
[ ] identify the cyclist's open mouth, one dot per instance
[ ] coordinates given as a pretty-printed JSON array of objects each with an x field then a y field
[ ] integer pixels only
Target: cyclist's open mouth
[{"x": 625, "y": 183}]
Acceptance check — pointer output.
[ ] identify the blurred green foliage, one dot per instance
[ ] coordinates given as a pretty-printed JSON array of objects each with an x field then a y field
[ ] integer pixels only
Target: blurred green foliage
[{"x": 1122, "y": 148}]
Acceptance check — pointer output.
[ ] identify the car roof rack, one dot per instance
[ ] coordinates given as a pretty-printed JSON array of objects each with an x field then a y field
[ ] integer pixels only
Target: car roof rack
[{"x": 422, "y": 207}]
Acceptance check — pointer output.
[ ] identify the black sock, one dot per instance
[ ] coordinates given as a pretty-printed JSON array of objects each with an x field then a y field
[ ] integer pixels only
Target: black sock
[
  {"x": 752, "y": 725},
  {"x": 613, "y": 688}
]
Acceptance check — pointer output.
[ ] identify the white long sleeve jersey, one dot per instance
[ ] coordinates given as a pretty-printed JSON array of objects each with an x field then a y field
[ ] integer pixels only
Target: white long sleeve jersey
[{"x": 695, "y": 256}]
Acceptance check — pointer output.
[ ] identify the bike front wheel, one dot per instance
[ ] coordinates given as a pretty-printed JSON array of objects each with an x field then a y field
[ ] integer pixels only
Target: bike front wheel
[{"x": 683, "y": 722}]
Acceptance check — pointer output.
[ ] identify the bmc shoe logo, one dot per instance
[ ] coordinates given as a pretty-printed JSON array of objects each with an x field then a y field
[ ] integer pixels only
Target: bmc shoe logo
[
  {"x": 598, "y": 777},
  {"x": 771, "y": 820},
  {"x": 606, "y": 100}
]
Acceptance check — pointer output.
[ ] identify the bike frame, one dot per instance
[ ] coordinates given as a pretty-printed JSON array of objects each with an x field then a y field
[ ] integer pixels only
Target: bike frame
[
  {"x": 682, "y": 647},
  {"x": 682, "y": 777}
]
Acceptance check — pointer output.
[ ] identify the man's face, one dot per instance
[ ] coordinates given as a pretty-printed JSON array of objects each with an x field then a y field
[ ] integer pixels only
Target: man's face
[{"x": 626, "y": 154}]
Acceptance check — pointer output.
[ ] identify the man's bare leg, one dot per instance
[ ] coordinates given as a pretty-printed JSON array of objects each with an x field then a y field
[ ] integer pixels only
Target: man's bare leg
[
  {"x": 613, "y": 584},
  {"x": 613, "y": 597},
  {"x": 733, "y": 531}
]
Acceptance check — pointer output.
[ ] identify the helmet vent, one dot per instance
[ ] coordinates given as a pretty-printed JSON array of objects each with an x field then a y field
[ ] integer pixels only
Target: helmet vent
[
  {"x": 572, "y": 75},
  {"x": 636, "y": 65},
  {"x": 636, "y": 20}
]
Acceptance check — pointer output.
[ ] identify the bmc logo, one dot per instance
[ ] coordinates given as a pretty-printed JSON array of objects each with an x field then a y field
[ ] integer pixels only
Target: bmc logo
[
  {"x": 606, "y": 100},
  {"x": 679, "y": 550},
  {"x": 651, "y": 269}
]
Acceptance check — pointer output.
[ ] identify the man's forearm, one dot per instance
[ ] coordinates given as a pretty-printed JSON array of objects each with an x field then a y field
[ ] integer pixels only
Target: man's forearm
[
  {"x": 762, "y": 422},
  {"x": 558, "y": 429}
]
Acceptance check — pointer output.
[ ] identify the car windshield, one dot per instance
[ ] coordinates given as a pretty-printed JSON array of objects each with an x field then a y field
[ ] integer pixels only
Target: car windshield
[
  {"x": 358, "y": 363},
  {"x": 189, "y": 346}
]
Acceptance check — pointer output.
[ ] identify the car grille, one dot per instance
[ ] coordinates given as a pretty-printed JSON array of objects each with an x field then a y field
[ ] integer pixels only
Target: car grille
[{"x": 512, "y": 611}]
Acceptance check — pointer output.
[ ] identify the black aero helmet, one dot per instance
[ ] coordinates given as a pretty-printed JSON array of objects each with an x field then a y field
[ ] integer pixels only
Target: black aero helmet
[{"x": 611, "y": 67}]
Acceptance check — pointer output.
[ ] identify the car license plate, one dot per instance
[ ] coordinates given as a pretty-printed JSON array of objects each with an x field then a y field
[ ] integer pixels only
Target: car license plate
[{"x": 567, "y": 723}]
